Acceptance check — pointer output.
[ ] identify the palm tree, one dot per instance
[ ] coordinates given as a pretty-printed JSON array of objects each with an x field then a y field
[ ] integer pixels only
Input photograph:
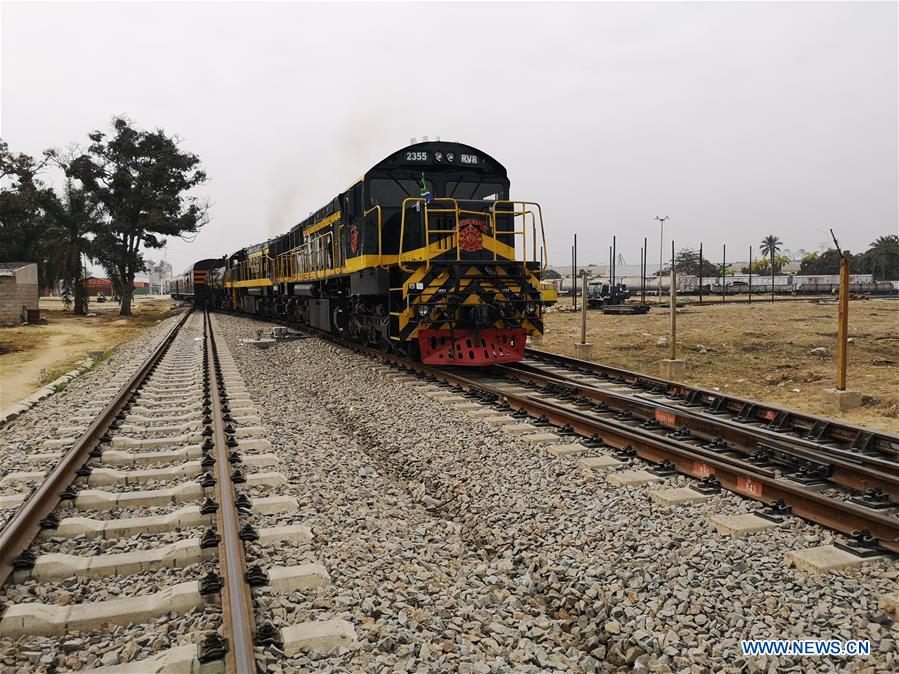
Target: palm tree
[
  {"x": 885, "y": 251},
  {"x": 71, "y": 220},
  {"x": 770, "y": 247}
]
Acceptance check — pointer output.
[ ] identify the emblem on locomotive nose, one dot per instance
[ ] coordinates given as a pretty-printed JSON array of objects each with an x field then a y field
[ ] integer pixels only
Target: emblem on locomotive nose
[
  {"x": 471, "y": 234},
  {"x": 354, "y": 239}
]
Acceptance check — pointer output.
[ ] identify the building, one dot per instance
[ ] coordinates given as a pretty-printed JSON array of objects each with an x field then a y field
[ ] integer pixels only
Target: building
[
  {"x": 160, "y": 274},
  {"x": 18, "y": 291},
  {"x": 93, "y": 286}
]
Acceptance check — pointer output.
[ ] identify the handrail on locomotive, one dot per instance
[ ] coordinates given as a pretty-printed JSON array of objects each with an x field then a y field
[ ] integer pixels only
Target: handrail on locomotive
[{"x": 491, "y": 217}]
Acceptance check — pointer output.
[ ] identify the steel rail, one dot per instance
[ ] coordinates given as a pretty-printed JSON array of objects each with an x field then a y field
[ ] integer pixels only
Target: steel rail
[
  {"x": 237, "y": 600},
  {"x": 740, "y": 477},
  {"x": 734, "y": 475},
  {"x": 848, "y": 469},
  {"x": 788, "y": 420},
  {"x": 19, "y": 532}
]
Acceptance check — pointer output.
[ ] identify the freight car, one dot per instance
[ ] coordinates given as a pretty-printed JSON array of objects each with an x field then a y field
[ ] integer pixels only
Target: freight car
[
  {"x": 426, "y": 254},
  {"x": 796, "y": 285}
]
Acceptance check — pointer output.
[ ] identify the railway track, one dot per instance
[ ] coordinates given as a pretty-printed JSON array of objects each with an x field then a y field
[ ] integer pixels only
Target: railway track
[
  {"x": 150, "y": 524},
  {"x": 797, "y": 426},
  {"x": 836, "y": 475}
]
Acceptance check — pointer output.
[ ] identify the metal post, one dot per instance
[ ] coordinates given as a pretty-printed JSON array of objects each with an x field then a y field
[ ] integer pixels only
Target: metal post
[
  {"x": 574, "y": 273},
  {"x": 724, "y": 274},
  {"x": 611, "y": 272},
  {"x": 584, "y": 308},
  {"x": 614, "y": 253},
  {"x": 672, "y": 340},
  {"x": 844, "y": 322},
  {"x": 573, "y": 279},
  {"x": 645, "y": 261},
  {"x": 661, "y": 249},
  {"x": 750, "y": 274},
  {"x": 643, "y": 274},
  {"x": 661, "y": 244},
  {"x": 700, "y": 273}
]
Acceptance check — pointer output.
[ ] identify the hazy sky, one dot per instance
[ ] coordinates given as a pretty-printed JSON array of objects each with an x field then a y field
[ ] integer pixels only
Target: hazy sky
[{"x": 735, "y": 119}]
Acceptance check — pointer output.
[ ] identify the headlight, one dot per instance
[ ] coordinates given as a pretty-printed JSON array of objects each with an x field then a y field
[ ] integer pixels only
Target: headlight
[
  {"x": 530, "y": 308},
  {"x": 422, "y": 310},
  {"x": 450, "y": 156},
  {"x": 438, "y": 156}
]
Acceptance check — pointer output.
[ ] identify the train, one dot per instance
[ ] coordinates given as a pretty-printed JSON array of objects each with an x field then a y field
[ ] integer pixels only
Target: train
[
  {"x": 426, "y": 255},
  {"x": 793, "y": 284}
]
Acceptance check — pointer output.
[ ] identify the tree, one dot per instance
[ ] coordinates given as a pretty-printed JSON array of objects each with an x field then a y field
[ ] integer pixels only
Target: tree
[
  {"x": 763, "y": 265},
  {"x": 808, "y": 260},
  {"x": 71, "y": 220},
  {"x": 551, "y": 274},
  {"x": 140, "y": 180},
  {"x": 883, "y": 255},
  {"x": 770, "y": 247},
  {"x": 686, "y": 261},
  {"x": 22, "y": 212},
  {"x": 827, "y": 262}
]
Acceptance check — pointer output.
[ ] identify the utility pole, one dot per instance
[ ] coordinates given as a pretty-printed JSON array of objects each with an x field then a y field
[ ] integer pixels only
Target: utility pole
[{"x": 661, "y": 248}]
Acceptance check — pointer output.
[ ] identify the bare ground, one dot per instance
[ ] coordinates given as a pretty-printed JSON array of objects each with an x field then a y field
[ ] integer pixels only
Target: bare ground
[
  {"x": 53, "y": 346},
  {"x": 759, "y": 351}
]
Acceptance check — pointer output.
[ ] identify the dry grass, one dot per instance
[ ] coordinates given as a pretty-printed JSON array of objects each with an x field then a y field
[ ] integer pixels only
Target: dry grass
[
  {"x": 62, "y": 339},
  {"x": 759, "y": 351}
]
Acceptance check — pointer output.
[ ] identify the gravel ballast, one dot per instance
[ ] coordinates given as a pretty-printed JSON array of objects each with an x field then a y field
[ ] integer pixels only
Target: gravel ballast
[{"x": 452, "y": 546}]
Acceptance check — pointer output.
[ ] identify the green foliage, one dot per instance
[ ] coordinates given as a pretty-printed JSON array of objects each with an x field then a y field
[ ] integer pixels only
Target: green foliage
[
  {"x": 827, "y": 262},
  {"x": 23, "y": 201},
  {"x": 551, "y": 274},
  {"x": 763, "y": 266},
  {"x": 771, "y": 246},
  {"x": 127, "y": 192},
  {"x": 882, "y": 258},
  {"x": 139, "y": 180},
  {"x": 686, "y": 261},
  {"x": 70, "y": 221}
]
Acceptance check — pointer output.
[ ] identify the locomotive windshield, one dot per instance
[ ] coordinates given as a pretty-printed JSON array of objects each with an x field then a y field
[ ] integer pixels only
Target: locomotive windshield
[
  {"x": 474, "y": 190},
  {"x": 390, "y": 192}
]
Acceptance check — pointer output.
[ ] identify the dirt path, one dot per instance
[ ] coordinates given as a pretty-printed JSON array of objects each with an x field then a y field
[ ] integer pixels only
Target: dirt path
[
  {"x": 64, "y": 339},
  {"x": 760, "y": 351}
]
